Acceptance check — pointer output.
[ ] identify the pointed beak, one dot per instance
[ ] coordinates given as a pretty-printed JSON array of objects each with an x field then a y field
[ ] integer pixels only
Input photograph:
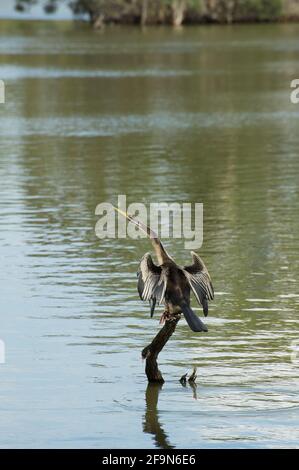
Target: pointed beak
[
  {"x": 147, "y": 230},
  {"x": 125, "y": 214}
]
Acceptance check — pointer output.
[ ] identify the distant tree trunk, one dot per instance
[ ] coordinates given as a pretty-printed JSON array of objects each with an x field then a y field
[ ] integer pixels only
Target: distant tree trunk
[
  {"x": 178, "y": 12},
  {"x": 98, "y": 21},
  {"x": 96, "y": 17},
  {"x": 229, "y": 7},
  {"x": 222, "y": 11},
  {"x": 144, "y": 11}
]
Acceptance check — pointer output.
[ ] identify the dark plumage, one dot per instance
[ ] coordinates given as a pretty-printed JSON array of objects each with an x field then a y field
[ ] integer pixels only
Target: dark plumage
[{"x": 170, "y": 283}]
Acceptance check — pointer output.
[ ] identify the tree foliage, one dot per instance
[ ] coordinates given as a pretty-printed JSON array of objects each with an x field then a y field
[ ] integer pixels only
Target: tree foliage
[{"x": 173, "y": 12}]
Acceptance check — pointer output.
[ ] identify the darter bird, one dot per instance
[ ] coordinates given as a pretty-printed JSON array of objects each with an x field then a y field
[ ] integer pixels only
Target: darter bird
[{"x": 172, "y": 284}]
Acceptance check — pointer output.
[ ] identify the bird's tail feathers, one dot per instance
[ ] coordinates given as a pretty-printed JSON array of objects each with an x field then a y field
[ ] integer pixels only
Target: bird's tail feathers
[
  {"x": 205, "y": 307},
  {"x": 192, "y": 319},
  {"x": 152, "y": 306}
]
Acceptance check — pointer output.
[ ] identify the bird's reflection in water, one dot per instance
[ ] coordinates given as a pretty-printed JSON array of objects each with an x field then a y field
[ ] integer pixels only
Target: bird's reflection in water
[{"x": 151, "y": 424}]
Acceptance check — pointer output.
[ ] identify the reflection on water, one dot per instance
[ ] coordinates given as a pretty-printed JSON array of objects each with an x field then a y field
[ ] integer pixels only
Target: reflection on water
[
  {"x": 151, "y": 423},
  {"x": 196, "y": 115},
  {"x": 151, "y": 419}
]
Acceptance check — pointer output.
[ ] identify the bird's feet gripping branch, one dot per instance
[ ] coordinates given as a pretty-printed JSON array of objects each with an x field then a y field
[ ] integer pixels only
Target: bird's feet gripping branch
[{"x": 164, "y": 317}]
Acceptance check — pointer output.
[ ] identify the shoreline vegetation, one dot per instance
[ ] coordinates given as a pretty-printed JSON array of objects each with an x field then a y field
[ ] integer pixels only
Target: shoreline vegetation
[{"x": 173, "y": 12}]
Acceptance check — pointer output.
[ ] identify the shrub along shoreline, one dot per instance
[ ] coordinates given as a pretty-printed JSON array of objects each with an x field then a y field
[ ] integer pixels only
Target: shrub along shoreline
[
  {"x": 177, "y": 12},
  {"x": 184, "y": 12}
]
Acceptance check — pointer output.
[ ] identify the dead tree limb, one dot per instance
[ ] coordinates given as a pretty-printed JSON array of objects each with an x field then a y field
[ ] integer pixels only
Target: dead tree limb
[{"x": 150, "y": 353}]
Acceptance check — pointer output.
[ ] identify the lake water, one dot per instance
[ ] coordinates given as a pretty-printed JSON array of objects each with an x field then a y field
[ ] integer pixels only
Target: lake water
[{"x": 190, "y": 115}]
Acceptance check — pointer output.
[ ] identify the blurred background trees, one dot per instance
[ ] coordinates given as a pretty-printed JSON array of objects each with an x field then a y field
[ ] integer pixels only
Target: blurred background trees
[{"x": 175, "y": 12}]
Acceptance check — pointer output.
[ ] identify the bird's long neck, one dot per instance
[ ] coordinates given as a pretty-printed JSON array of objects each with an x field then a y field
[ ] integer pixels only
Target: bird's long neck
[{"x": 160, "y": 251}]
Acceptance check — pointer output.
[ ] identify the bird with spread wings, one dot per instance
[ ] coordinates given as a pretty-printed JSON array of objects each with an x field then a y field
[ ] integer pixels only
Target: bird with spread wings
[{"x": 171, "y": 284}]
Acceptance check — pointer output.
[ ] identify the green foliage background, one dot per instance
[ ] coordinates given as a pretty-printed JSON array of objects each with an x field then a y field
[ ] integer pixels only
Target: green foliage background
[{"x": 162, "y": 11}]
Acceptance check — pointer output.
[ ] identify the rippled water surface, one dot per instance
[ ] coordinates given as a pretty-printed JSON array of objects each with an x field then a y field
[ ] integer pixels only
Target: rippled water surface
[{"x": 193, "y": 115}]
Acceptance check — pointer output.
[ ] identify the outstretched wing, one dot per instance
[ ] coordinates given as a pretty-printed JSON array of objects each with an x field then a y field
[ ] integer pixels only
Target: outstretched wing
[
  {"x": 200, "y": 282},
  {"x": 151, "y": 282}
]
